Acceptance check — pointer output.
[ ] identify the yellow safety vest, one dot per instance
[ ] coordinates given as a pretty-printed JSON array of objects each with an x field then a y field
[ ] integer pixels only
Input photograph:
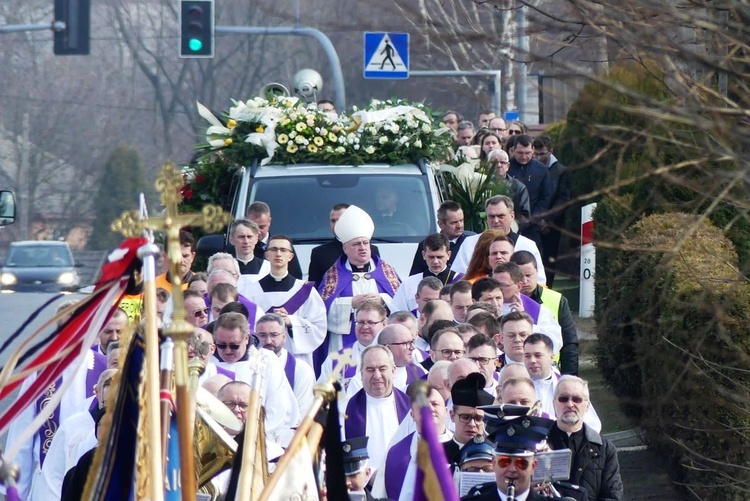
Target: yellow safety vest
[{"x": 551, "y": 300}]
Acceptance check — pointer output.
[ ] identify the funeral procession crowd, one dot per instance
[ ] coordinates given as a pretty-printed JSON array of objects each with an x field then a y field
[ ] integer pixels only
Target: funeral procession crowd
[{"x": 477, "y": 320}]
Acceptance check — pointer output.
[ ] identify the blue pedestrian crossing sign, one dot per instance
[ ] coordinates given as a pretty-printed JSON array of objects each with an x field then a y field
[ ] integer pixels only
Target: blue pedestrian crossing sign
[{"x": 386, "y": 55}]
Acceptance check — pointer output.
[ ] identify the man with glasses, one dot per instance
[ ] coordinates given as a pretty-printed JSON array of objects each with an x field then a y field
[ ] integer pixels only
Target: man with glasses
[
  {"x": 236, "y": 396},
  {"x": 466, "y": 395},
  {"x": 295, "y": 301},
  {"x": 272, "y": 332},
  {"x": 196, "y": 309},
  {"x": 201, "y": 345},
  {"x": 398, "y": 340},
  {"x": 447, "y": 345},
  {"x": 369, "y": 321},
  {"x": 594, "y": 465},
  {"x": 356, "y": 277},
  {"x": 522, "y": 207},
  {"x": 500, "y": 215},
  {"x": 498, "y": 126},
  {"x": 538, "y": 357},
  {"x": 232, "y": 336},
  {"x": 483, "y": 350}
]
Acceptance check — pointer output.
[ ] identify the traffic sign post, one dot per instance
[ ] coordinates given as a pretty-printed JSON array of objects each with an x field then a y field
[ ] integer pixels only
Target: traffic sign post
[
  {"x": 196, "y": 28},
  {"x": 386, "y": 55}
]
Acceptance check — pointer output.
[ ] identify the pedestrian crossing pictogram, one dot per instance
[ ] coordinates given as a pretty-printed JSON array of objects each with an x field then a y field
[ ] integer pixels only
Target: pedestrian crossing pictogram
[{"x": 386, "y": 55}]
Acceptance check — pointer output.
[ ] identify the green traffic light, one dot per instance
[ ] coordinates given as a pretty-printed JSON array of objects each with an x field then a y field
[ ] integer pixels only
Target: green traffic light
[{"x": 195, "y": 44}]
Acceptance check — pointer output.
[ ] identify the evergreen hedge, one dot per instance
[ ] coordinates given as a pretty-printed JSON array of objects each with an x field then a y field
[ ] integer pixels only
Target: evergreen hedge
[{"x": 674, "y": 337}]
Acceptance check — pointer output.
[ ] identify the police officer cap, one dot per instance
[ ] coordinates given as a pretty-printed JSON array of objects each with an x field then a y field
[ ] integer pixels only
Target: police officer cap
[
  {"x": 495, "y": 415},
  {"x": 470, "y": 391},
  {"x": 355, "y": 455},
  {"x": 477, "y": 448},
  {"x": 519, "y": 436}
]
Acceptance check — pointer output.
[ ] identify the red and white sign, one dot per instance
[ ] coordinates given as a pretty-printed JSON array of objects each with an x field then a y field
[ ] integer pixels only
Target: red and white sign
[{"x": 588, "y": 262}]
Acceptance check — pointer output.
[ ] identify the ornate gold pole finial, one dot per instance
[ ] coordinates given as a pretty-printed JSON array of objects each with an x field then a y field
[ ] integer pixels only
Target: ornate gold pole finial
[{"x": 212, "y": 219}]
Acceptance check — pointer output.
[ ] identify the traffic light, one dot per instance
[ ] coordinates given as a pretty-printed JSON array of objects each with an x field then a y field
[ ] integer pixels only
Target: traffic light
[
  {"x": 74, "y": 39},
  {"x": 196, "y": 28}
]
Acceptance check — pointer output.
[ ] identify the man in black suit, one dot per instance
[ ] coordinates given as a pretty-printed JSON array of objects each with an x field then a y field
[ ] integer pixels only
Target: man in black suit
[
  {"x": 451, "y": 223},
  {"x": 260, "y": 214},
  {"x": 323, "y": 256}
]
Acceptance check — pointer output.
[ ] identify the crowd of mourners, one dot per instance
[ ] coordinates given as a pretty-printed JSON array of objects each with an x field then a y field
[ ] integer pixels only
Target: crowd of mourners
[{"x": 477, "y": 319}]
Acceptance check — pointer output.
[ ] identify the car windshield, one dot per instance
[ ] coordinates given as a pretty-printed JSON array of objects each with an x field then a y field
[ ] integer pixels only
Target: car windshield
[
  {"x": 300, "y": 205},
  {"x": 38, "y": 256}
]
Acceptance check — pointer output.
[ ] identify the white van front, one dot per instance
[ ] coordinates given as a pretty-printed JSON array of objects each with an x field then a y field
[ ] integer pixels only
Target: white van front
[{"x": 301, "y": 197}]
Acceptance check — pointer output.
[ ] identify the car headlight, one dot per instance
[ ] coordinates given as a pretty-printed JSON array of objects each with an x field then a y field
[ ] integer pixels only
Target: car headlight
[
  {"x": 67, "y": 278},
  {"x": 8, "y": 279}
]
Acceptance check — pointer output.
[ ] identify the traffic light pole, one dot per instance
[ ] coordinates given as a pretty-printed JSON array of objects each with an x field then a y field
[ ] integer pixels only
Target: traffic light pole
[{"x": 319, "y": 36}]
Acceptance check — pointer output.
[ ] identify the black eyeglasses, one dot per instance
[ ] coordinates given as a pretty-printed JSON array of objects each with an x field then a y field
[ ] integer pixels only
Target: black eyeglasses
[
  {"x": 465, "y": 418},
  {"x": 231, "y": 346},
  {"x": 268, "y": 335},
  {"x": 563, "y": 399},
  {"x": 200, "y": 312},
  {"x": 505, "y": 461},
  {"x": 514, "y": 131},
  {"x": 232, "y": 405},
  {"x": 408, "y": 344},
  {"x": 368, "y": 323},
  {"x": 481, "y": 360},
  {"x": 448, "y": 353}
]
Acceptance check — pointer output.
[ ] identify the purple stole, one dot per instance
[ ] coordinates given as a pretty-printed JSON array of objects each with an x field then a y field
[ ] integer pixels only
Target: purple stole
[
  {"x": 50, "y": 426},
  {"x": 531, "y": 307},
  {"x": 295, "y": 302},
  {"x": 396, "y": 463},
  {"x": 355, "y": 424},
  {"x": 457, "y": 278},
  {"x": 225, "y": 372},
  {"x": 337, "y": 282},
  {"x": 289, "y": 368},
  {"x": 412, "y": 374}
]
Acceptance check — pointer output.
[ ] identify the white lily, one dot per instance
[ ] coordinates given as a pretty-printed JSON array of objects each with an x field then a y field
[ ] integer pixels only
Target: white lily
[
  {"x": 216, "y": 128},
  {"x": 467, "y": 177}
]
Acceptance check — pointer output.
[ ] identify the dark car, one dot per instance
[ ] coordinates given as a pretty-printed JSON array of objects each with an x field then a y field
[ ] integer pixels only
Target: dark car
[{"x": 39, "y": 266}]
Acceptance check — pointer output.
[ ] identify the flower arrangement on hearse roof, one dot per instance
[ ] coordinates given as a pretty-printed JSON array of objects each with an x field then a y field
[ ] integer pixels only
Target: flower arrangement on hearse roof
[{"x": 283, "y": 130}]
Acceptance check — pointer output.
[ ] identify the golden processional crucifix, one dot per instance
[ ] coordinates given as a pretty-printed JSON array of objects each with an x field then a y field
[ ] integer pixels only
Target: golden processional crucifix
[{"x": 133, "y": 224}]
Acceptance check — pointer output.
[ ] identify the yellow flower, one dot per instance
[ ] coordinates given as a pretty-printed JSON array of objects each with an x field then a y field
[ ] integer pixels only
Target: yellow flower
[
  {"x": 318, "y": 141},
  {"x": 300, "y": 127},
  {"x": 312, "y": 148},
  {"x": 260, "y": 129},
  {"x": 286, "y": 121},
  {"x": 231, "y": 123},
  {"x": 291, "y": 148},
  {"x": 228, "y": 141},
  {"x": 332, "y": 137},
  {"x": 282, "y": 139}
]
